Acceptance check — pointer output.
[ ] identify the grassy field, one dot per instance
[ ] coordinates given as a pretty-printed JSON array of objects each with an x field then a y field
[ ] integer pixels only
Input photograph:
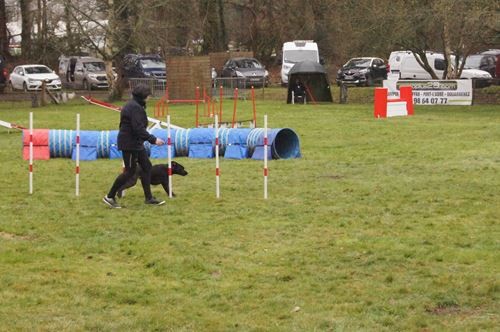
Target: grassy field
[{"x": 382, "y": 225}]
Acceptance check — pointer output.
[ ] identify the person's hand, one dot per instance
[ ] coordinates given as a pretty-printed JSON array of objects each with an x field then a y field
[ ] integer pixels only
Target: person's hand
[{"x": 159, "y": 141}]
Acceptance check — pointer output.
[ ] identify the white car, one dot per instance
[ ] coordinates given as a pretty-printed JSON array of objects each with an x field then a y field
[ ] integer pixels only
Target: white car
[{"x": 30, "y": 78}]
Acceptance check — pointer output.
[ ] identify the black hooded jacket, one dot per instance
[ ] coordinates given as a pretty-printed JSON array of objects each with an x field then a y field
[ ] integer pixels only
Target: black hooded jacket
[{"x": 133, "y": 125}]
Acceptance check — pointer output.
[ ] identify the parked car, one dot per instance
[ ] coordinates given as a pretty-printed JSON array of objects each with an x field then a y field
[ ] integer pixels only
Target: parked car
[
  {"x": 144, "y": 66},
  {"x": 363, "y": 71},
  {"x": 496, "y": 53},
  {"x": 4, "y": 74},
  {"x": 83, "y": 72},
  {"x": 30, "y": 78},
  {"x": 486, "y": 62},
  {"x": 248, "y": 71}
]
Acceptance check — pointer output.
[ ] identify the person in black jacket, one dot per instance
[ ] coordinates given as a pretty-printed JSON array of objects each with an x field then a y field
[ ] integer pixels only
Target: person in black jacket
[
  {"x": 299, "y": 92},
  {"x": 131, "y": 137}
]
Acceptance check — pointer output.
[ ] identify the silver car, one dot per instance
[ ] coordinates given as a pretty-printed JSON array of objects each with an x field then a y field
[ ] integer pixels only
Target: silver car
[{"x": 84, "y": 72}]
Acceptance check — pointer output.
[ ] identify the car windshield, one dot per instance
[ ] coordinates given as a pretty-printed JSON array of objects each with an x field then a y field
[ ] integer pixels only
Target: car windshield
[
  {"x": 472, "y": 62},
  {"x": 300, "y": 55},
  {"x": 248, "y": 63},
  {"x": 94, "y": 66},
  {"x": 358, "y": 63},
  {"x": 152, "y": 63},
  {"x": 37, "y": 70}
]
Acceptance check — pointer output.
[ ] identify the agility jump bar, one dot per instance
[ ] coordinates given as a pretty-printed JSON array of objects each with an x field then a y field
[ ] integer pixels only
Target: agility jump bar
[
  {"x": 11, "y": 125},
  {"x": 118, "y": 109}
]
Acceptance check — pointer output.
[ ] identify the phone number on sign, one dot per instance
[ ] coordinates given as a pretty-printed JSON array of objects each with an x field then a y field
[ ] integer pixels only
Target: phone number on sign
[{"x": 424, "y": 101}]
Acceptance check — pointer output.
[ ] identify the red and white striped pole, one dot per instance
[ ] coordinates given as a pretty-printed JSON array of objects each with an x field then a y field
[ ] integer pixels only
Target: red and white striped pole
[
  {"x": 266, "y": 171},
  {"x": 221, "y": 94},
  {"x": 77, "y": 167},
  {"x": 217, "y": 170},
  {"x": 31, "y": 155},
  {"x": 254, "y": 109},
  {"x": 169, "y": 157},
  {"x": 197, "y": 97},
  {"x": 235, "y": 97}
]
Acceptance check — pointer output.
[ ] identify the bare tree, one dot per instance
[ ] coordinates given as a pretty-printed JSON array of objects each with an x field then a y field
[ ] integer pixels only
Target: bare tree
[
  {"x": 454, "y": 28},
  {"x": 109, "y": 28},
  {"x": 213, "y": 26},
  {"x": 168, "y": 26}
]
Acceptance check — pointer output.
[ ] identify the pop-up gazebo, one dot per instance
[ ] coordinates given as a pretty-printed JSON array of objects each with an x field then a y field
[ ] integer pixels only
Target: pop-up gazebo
[{"x": 315, "y": 79}]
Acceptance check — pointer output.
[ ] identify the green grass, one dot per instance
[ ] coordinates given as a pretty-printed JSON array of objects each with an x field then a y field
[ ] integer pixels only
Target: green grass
[{"x": 382, "y": 225}]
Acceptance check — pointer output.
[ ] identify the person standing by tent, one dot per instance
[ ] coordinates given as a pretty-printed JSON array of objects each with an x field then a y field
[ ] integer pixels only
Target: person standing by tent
[
  {"x": 131, "y": 138},
  {"x": 299, "y": 92}
]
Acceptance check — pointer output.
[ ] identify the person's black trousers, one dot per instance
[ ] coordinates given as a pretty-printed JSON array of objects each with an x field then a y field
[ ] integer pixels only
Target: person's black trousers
[{"x": 130, "y": 160}]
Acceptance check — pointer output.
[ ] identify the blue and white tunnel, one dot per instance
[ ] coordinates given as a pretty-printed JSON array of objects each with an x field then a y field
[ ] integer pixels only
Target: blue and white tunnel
[{"x": 234, "y": 143}]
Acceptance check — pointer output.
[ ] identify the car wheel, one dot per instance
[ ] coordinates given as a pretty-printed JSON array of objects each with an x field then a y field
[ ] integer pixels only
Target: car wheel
[{"x": 25, "y": 87}]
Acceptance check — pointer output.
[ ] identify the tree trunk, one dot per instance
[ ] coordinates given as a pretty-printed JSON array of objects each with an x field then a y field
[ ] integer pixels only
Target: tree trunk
[
  {"x": 45, "y": 25},
  {"x": 213, "y": 26},
  {"x": 222, "y": 45},
  {"x": 122, "y": 22},
  {"x": 26, "y": 23},
  {"x": 4, "y": 39},
  {"x": 41, "y": 33},
  {"x": 39, "y": 19},
  {"x": 115, "y": 92},
  {"x": 449, "y": 72},
  {"x": 69, "y": 30}
]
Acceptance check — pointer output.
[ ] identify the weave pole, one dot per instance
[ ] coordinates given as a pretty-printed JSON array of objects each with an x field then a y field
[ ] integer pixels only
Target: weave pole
[
  {"x": 197, "y": 97},
  {"x": 77, "y": 167},
  {"x": 235, "y": 97},
  {"x": 265, "y": 157},
  {"x": 31, "y": 155},
  {"x": 221, "y": 94},
  {"x": 217, "y": 170},
  {"x": 254, "y": 109},
  {"x": 169, "y": 156}
]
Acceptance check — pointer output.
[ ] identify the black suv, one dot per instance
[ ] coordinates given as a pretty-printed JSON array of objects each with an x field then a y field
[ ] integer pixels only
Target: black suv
[
  {"x": 144, "y": 66},
  {"x": 486, "y": 62},
  {"x": 363, "y": 71},
  {"x": 4, "y": 74}
]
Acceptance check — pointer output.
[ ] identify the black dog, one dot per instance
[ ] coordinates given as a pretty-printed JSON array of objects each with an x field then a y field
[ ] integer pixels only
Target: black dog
[{"x": 159, "y": 175}]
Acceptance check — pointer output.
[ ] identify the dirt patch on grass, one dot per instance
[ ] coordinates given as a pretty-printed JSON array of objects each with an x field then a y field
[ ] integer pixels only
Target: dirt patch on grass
[
  {"x": 440, "y": 310},
  {"x": 10, "y": 236},
  {"x": 332, "y": 176},
  {"x": 454, "y": 310}
]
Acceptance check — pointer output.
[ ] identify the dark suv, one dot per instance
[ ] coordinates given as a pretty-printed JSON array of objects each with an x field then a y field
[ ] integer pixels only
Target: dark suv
[
  {"x": 496, "y": 54},
  {"x": 144, "y": 66},
  {"x": 486, "y": 62},
  {"x": 363, "y": 71},
  {"x": 4, "y": 74}
]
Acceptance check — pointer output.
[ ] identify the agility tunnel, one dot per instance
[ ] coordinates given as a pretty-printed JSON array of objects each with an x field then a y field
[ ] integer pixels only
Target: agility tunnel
[{"x": 234, "y": 143}]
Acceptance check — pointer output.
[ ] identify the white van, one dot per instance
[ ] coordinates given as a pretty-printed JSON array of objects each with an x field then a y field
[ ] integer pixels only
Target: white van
[
  {"x": 406, "y": 65},
  {"x": 297, "y": 51}
]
